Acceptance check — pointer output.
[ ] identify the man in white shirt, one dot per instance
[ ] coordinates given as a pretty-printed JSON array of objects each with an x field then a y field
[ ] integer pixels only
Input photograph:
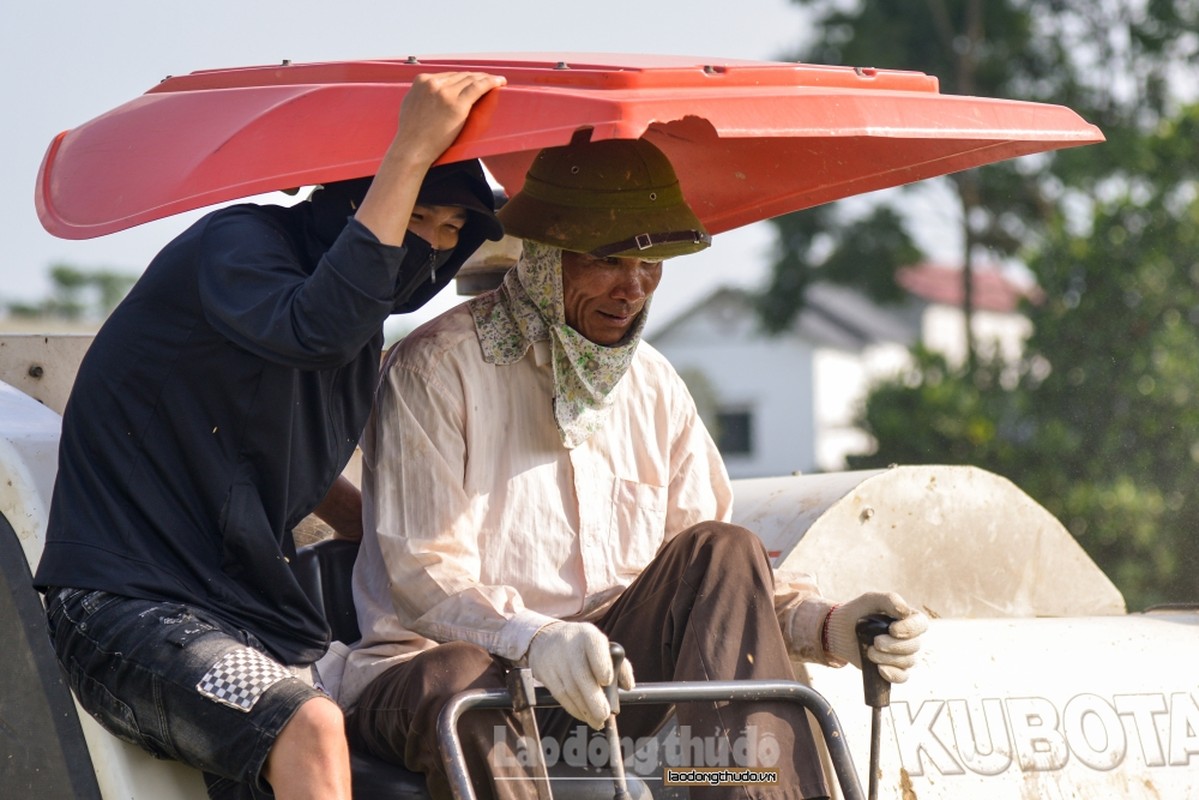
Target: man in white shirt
[{"x": 536, "y": 480}]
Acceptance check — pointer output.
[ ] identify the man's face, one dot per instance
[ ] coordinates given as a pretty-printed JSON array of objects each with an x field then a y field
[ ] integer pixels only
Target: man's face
[
  {"x": 603, "y": 296},
  {"x": 440, "y": 226}
]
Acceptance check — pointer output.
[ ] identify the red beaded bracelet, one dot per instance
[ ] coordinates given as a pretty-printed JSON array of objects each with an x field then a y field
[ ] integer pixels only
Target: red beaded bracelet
[{"x": 824, "y": 628}]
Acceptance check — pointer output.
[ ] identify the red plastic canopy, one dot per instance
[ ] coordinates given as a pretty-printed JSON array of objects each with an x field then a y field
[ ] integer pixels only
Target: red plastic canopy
[{"x": 750, "y": 140}]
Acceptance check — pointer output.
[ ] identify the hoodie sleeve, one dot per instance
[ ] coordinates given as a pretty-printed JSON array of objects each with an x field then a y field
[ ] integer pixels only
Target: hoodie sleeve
[{"x": 258, "y": 292}]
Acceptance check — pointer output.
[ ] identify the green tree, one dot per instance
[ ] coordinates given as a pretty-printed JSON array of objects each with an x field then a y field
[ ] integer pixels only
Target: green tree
[
  {"x": 77, "y": 294},
  {"x": 1102, "y": 425},
  {"x": 1099, "y": 420},
  {"x": 1059, "y": 52},
  {"x": 1120, "y": 330}
]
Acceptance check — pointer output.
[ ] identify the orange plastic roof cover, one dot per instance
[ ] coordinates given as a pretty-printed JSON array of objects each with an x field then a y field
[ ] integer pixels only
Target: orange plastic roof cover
[{"x": 750, "y": 140}]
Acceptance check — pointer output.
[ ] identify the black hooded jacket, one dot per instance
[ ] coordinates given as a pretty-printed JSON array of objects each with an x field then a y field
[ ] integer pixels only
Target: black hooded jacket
[{"x": 217, "y": 405}]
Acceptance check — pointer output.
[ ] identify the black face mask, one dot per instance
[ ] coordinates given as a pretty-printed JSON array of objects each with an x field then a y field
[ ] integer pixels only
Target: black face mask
[
  {"x": 421, "y": 263},
  {"x": 422, "y": 256}
]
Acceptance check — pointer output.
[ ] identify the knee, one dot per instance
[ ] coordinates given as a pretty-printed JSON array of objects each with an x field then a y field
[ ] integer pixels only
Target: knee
[
  {"x": 310, "y": 752},
  {"x": 318, "y": 719},
  {"x": 733, "y": 552},
  {"x": 725, "y": 544}
]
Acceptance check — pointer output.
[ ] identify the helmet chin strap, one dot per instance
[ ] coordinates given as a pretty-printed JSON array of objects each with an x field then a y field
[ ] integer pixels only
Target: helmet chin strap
[{"x": 644, "y": 241}]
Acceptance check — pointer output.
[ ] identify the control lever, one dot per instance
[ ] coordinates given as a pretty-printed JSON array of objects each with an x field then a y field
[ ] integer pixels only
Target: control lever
[
  {"x": 620, "y": 786},
  {"x": 876, "y": 688},
  {"x": 524, "y": 701}
]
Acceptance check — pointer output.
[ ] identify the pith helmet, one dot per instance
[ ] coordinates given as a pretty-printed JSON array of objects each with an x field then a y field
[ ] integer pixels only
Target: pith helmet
[{"x": 617, "y": 197}]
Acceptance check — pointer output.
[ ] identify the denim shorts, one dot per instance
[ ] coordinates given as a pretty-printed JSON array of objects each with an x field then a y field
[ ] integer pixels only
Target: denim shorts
[{"x": 177, "y": 682}]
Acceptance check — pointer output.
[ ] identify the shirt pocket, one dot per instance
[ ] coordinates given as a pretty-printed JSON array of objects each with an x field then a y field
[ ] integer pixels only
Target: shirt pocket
[{"x": 638, "y": 524}]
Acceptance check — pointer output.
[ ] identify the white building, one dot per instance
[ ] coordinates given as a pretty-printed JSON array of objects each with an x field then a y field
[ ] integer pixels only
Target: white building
[{"x": 785, "y": 404}]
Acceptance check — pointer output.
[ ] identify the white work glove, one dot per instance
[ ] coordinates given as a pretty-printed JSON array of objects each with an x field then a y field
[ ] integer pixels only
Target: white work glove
[
  {"x": 894, "y": 651},
  {"x": 571, "y": 659}
]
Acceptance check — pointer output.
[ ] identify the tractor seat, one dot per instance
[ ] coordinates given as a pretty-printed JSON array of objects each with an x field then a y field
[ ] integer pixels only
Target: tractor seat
[
  {"x": 325, "y": 573},
  {"x": 324, "y": 570}
]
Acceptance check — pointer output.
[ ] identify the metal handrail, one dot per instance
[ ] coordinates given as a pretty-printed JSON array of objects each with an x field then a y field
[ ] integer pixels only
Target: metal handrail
[{"x": 664, "y": 692}]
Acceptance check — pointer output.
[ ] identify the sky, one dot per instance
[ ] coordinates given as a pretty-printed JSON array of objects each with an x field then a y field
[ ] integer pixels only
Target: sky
[{"x": 69, "y": 61}]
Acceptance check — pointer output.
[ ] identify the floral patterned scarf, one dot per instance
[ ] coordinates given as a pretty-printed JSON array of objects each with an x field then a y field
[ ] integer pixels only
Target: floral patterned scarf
[{"x": 528, "y": 307}]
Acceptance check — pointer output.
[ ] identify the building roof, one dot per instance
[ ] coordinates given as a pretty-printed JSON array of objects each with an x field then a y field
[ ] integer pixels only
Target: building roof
[
  {"x": 846, "y": 319},
  {"x": 858, "y": 316},
  {"x": 993, "y": 289},
  {"x": 832, "y": 316}
]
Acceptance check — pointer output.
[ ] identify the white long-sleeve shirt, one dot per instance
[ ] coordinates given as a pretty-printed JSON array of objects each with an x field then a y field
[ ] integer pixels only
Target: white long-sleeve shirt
[{"x": 481, "y": 526}]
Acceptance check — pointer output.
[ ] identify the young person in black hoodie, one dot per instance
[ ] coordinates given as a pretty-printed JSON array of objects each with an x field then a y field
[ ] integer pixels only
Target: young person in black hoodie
[{"x": 217, "y": 408}]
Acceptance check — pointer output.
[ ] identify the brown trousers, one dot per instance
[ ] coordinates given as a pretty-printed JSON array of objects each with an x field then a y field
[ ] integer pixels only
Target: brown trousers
[{"x": 703, "y": 609}]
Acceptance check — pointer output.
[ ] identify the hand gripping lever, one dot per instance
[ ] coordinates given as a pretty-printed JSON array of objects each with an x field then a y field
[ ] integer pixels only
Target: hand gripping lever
[{"x": 876, "y": 688}]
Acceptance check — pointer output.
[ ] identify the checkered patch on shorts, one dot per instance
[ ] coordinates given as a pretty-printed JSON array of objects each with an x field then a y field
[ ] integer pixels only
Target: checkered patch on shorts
[{"x": 240, "y": 678}]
